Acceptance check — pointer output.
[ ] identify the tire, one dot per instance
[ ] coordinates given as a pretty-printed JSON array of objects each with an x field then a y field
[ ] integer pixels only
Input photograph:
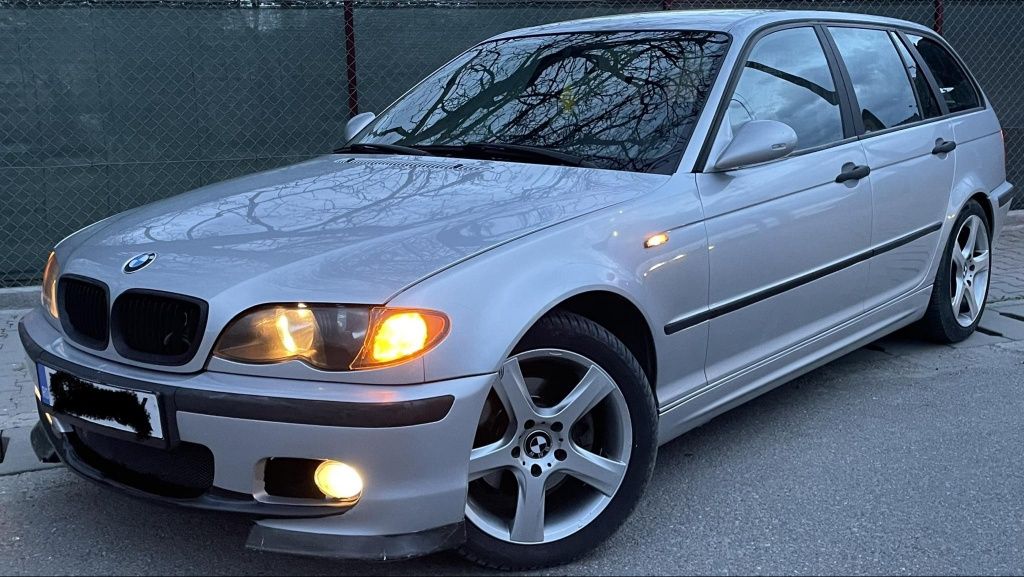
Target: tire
[
  {"x": 567, "y": 331},
  {"x": 942, "y": 323}
]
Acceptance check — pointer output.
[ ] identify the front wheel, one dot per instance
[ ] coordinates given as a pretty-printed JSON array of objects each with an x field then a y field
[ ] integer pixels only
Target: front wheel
[
  {"x": 564, "y": 448},
  {"x": 961, "y": 286}
]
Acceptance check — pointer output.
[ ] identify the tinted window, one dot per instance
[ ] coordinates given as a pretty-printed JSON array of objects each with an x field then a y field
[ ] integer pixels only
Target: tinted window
[
  {"x": 787, "y": 78},
  {"x": 880, "y": 79},
  {"x": 623, "y": 100},
  {"x": 925, "y": 97},
  {"x": 955, "y": 86}
]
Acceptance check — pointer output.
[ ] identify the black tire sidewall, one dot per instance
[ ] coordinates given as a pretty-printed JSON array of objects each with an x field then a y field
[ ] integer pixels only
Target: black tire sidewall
[{"x": 579, "y": 335}]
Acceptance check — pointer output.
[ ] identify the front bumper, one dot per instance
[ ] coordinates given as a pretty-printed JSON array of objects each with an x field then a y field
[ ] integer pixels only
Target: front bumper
[{"x": 411, "y": 444}]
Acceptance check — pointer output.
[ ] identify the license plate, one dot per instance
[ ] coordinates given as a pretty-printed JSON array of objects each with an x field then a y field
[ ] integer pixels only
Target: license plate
[{"x": 106, "y": 405}]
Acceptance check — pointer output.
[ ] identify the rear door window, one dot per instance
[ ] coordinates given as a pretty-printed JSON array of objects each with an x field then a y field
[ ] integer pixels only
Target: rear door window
[
  {"x": 956, "y": 88},
  {"x": 884, "y": 93}
]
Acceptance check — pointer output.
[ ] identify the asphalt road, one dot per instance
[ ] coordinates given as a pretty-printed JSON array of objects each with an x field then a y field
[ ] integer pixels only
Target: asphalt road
[{"x": 899, "y": 459}]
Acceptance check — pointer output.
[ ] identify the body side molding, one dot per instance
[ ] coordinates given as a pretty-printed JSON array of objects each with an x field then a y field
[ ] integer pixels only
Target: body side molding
[{"x": 737, "y": 304}]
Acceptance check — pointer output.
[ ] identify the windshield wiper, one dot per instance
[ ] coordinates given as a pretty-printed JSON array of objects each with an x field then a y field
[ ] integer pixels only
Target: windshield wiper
[
  {"x": 372, "y": 148},
  {"x": 515, "y": 151}
]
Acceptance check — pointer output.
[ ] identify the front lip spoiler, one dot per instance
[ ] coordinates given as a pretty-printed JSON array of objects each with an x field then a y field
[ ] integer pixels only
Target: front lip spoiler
[
  {"x": 263, "y": 408},
  {"x": 358, "y": 547}
]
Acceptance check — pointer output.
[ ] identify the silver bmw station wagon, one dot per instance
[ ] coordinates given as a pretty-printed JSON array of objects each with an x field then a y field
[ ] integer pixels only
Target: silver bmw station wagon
[{"x": 473, "y": 325}]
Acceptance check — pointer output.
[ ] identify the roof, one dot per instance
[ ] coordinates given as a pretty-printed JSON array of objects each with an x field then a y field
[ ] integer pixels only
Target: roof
[{"x": 737, "y": 22}]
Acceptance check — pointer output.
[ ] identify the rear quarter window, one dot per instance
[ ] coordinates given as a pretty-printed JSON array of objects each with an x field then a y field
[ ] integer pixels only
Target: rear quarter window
[{"x": 956, "y": 87}]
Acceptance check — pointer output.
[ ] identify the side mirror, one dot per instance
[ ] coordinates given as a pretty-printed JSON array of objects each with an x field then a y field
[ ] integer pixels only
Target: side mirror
[
  {"x": 755, "y": 142},
  {"x": 357, "y": 123}
]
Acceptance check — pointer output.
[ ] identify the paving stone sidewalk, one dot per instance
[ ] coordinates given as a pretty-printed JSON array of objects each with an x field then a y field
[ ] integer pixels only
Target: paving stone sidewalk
[
  {"x": 17, "y": 406},
  {"x": 1008, "y": 262}
]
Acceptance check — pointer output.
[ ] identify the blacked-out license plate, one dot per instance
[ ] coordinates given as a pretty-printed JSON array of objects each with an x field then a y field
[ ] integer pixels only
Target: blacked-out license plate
[{"x": 110, "y": 406}]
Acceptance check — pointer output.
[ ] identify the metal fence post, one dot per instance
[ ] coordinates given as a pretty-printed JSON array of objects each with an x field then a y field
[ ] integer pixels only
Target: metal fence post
[
  {"x": 940, "y": 16},
  {"x": 350, "y": 58}
]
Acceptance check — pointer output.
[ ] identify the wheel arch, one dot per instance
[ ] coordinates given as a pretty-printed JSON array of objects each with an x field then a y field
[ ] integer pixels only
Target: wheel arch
[
  {"x": 986, "y": 204},
  {"x": 967, "y": 190},
  {"x": 621, "y": 317},
  {"x": 493, "y": 322}
]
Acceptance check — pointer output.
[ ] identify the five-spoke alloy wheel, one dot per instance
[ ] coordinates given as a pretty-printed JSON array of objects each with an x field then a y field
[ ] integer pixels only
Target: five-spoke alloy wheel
[
  {"x": 961, "y": 285},
  {"x": 969, "y": 270},
  {"x": 564, "y": 447},
  {"x": 540, "y": 450}
]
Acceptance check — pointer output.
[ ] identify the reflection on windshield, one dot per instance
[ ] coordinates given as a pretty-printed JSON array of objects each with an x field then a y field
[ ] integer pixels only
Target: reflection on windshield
[{"x": 624, "y": 101}]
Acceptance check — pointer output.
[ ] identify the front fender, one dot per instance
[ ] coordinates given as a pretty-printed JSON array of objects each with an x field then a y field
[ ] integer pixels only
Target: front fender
[{"x": 494, "y": 299}]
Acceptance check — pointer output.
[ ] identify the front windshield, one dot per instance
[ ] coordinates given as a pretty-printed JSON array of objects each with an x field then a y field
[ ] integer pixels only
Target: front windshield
[{"x": 621, "y": 101}]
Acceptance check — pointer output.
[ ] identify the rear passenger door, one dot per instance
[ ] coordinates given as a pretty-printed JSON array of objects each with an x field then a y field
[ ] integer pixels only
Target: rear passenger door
[{"x": 910, "y": 150}]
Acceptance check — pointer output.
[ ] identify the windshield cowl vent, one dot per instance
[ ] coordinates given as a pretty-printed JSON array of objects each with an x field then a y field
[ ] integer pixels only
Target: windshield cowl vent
[{"x": 405, "y": 163}]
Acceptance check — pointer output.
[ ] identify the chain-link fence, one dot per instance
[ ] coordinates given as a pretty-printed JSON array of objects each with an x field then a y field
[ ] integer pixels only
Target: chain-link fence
[{"x": 109, "y": 104}]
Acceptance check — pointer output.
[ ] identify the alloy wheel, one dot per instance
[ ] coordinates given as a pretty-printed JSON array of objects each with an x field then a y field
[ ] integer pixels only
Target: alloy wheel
[
  {"x": 969, "y": 271},
  {"x": 552, "y": 450}
]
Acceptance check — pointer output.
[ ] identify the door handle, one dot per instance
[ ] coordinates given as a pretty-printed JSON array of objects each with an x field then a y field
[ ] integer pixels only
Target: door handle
[
  {"x": 944, "y": 147},
  {"x": 852, "y": 171}
]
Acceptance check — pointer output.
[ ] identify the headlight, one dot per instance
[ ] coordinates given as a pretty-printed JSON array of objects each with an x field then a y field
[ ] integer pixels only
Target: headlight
[
  {"x": 49, "y": 293},
  {"x": 330, "y": 337},
  {"x": 326, "y": 336}
]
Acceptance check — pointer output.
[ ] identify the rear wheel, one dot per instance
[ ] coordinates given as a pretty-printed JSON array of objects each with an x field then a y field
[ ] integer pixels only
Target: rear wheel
[
  {"x": 564, "y": 448},
  {"x": 961, "y": 286}
]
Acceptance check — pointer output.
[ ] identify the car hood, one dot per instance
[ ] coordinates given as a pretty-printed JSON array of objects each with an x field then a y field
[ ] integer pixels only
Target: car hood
[{"x": 354, "y": 229}]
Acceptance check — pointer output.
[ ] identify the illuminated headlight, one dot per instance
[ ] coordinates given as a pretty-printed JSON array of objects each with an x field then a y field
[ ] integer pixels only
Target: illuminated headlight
[
  {"x": 324, "y": 336},
  {"x": 49, "y": 292},
  {"x": 331, "y": 337}
]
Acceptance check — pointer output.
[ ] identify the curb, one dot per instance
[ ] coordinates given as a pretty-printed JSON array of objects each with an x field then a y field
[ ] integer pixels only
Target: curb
[
  {"x": 1015, "y": 218},
  {"x": 21, "y": 457},
  {"x": 28, "y": 297}
]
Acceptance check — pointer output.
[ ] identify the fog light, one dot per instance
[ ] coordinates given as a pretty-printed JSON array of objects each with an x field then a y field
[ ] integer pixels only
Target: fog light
[{"x": 338, "y": 480}]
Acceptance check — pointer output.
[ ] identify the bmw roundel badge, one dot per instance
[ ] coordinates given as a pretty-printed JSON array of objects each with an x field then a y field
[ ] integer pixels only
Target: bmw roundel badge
[{"x": 137, "y": 263}]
